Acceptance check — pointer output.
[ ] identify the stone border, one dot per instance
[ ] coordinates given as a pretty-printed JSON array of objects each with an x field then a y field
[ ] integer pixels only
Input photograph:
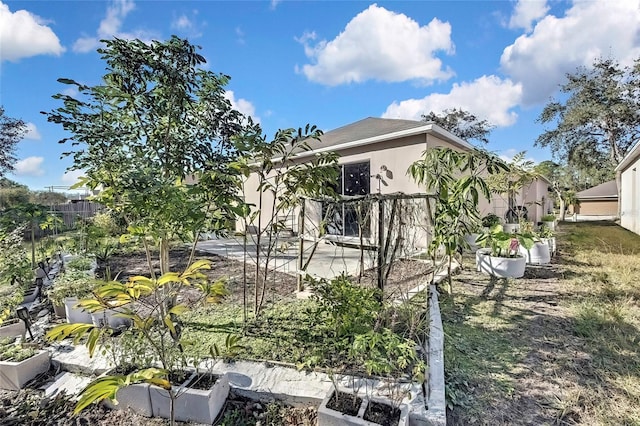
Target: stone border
[{"x": 433, "y": 411}]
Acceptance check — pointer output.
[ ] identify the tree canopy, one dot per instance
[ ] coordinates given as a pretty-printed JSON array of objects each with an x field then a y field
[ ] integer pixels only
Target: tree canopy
[
  {"x": 597, "y": 121},
  {"x": 157, "y": 119},
  {"x": 462, "y": 123},
  {"x": 12, "y": 131}
]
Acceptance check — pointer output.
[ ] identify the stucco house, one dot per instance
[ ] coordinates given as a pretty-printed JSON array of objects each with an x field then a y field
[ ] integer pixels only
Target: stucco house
[
  {"x": 375, "y": 154},
  {"x": 600, "y": 201},
  {"x": 629, "y": 180}
]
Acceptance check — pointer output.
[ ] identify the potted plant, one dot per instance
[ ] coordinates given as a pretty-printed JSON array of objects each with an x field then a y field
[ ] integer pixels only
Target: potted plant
[
  {"x": 502, "y": 257},
  {"x": 549, "y": 220},
  {"x": 10, "y": 297},
  {"x": 67, "y": 290},
  {"x": 457, "y": 180},
  {"x": 200, "y": 398},
  {"x": 539, "y": 252},
  {"x": 488, "y": 222},
  {"x": 19, "y": 364},
  {"x": 546, "y": 234},
  {"x": 156, "y": 324},
  {"x": 383, "y": 354}
]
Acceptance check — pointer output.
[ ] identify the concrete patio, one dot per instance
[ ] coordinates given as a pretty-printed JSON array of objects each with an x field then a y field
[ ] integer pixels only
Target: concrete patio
[{"x": 328, "y": 261}]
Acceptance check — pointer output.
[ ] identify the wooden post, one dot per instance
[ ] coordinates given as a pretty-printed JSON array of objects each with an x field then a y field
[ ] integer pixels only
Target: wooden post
[
  {"x": 380, "y": 245},
  {"x": 301, "y": 243}
]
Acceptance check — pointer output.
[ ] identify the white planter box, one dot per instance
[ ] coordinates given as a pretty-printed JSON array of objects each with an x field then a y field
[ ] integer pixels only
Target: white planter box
[
  {"x": 511, "y": 227},
  {"x": 12, "y": 330},
  {"x": 31, "y": 294},
  {"x": 191, "y": 405},
  {"x": 539, "y": 254},
  {"x": 552, "y": 246},
  {"x": 108, "y": 318},
  {"x": 59, "y": 310},
  {"x": 550, "y": 225},
  {"x": 500, "y": 267},
  {"x": 136, "y": 397},
  {"x": 75, "y": 315},
  {"x": 14, "y": 375},
  {"x": 471, "y": 240},
  {"x": 330, "y": 417}
]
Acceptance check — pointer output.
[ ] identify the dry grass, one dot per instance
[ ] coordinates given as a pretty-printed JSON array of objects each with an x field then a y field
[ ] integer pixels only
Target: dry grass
[{"x": 561, "y": 346}]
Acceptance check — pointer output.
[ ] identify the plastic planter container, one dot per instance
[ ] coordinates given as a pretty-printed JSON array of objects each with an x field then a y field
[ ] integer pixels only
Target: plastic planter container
[
  {"x": 14, "y": 375},
  {"x": 500, "y": 267},
  {"x": 191, "y": 405}
]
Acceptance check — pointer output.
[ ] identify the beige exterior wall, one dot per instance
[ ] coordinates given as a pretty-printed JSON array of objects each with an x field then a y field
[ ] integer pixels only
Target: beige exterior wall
[
  {"x": 630, "y": 196},
  {"x": 389, "y": 159},
  {"x": 598, "y": 208},
  {"x": 535, "y": 197}
]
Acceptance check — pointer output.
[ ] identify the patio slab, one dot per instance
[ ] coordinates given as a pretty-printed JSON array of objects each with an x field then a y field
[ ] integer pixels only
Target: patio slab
[{"x": 329, "y": 260}]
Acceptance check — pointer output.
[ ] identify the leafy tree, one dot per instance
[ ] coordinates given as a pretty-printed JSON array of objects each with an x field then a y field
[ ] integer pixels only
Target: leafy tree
[
  {"x": 12, "y": 194},
  {"x": 598, "y": 122},
  {"x": 567, "y": 181},
  {"x": 285, "y": 179},
  {"x": 514, "y": 181},
  {"x": 12, "y": 131},
  {"x": 15, "y": 270},
  {"x": 48, "y": 197},
  {"x": 157, "y": 120},
  {"x": 462, "y": 124},
  {"x": 31, "y": 216},
  {"x": 457, "y": 180}
]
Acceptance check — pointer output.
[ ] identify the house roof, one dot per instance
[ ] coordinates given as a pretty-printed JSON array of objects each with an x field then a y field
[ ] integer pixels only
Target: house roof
[
  {"x": 372, "y": 130},
  {"x": 631, "y": 156},
  {"x": 607, "y": 190}
]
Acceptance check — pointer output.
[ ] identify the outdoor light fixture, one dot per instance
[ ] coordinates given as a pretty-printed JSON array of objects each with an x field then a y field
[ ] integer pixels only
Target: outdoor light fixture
[{"x": 23, "y": 313}]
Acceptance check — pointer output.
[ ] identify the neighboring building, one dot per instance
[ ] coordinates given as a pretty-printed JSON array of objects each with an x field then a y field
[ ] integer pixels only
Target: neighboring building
[
  {"x": 629, "y": 179},
  {"x": 375, "y": 154},
  {"x": 598, "y": 201}
]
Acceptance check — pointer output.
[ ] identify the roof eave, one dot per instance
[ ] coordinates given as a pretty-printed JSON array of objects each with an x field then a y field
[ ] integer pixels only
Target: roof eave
[
  {"x": 429, "y": 128},
  {"x": 629, "y": 158}
]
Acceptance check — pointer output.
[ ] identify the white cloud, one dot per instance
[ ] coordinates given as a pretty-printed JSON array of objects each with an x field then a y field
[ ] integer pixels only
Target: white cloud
[
  {"x": 32, "y": 132},
  {"x": 30, "y": 166},
  {"x": 70, "y": 91},
  {"x": 182, "y": 23},
  {"x": 111, "y": 26},
  {"x": 70, "y": 177},
  {"x": 526, "y": 12},
  {"x": 23, "y": 34},
  {"x": 588, "y": 30},
  {"x": 240, "y": 35},
  {"x": 379, "y": 44},
  {"x": 487, "y": 97},
  {"x": 274, "y": 4},
  {"x": 242, "y": 105},
  {"x": 188, "y": 25}
]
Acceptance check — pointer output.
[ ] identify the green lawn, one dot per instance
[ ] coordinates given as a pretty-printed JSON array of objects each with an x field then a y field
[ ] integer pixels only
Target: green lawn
[{"x": 559, "y": 346}]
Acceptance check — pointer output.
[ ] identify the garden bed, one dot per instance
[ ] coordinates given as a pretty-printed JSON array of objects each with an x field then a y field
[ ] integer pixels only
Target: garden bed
[{"x": 28, "y": 407}]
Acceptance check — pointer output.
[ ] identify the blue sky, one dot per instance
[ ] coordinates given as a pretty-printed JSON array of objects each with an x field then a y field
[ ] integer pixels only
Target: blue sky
[{"x": 325, "y": 63}]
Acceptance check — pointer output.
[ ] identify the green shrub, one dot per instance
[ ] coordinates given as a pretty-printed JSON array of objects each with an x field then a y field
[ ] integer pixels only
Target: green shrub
[
  {"x": 490, "y": 220},
  {"x": 347, "y": 309},
  {"x": 548, "y": 218},
  {"x": 80, "y": 264},
  {"x": 9, "y": 351},
  {"x": 72, "y": 284}
]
